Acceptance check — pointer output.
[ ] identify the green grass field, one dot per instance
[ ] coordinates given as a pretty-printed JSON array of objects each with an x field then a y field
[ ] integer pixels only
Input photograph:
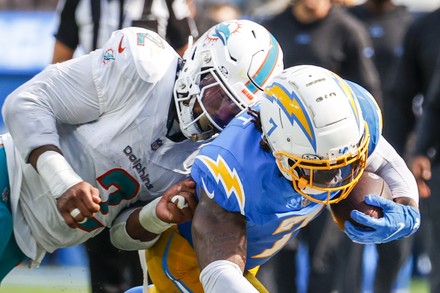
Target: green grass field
[
  {"x": 417, "y": 286},
  {"x": 47, "y": 280},
  {"x": 75, "y": 280},
  {"x": 19, "y": 289}
]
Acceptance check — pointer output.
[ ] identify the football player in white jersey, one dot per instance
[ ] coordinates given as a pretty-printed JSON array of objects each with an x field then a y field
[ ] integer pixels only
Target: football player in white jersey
[
  {"x": 95, "y": 135},
  {"x": 273, "y": 170}
]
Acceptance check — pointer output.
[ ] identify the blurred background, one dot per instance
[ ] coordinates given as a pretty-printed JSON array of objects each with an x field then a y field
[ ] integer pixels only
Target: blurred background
[
  {"x": 27, "y": 29},
  {"x": 27, "y": 39}
]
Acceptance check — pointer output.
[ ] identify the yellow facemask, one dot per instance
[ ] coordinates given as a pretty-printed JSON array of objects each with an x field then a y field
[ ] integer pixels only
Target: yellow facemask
[{"x": 339, "y": 174}]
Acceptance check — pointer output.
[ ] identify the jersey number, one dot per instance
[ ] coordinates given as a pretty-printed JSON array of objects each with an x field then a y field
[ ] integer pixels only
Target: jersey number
[
  {"x": 292, "y": 224},
  {"x": 125, "y": 188}
]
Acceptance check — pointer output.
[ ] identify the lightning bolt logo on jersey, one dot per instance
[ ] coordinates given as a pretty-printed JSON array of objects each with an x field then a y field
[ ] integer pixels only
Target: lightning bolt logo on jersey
[{"x": 227, "y": 178}]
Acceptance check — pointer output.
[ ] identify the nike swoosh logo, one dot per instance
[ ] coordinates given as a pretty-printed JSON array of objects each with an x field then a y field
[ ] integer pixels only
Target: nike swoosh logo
[
  {"x": 401, "y": 226},
  {"x": 209, "y": 194},
  {"x": 120, "y": 49}
]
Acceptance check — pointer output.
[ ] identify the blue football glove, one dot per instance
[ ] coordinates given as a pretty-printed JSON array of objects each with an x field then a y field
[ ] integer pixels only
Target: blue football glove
[{"x": 398, "y": 221}]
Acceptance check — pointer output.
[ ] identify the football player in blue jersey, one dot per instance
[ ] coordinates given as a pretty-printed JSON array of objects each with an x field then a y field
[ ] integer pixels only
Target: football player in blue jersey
[{"x": 272, "y": 171}]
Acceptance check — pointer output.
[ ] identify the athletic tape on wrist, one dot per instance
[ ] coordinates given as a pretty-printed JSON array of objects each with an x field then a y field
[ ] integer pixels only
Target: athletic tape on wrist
[
  {"x": 56, "y": 172},
  {"x": 149, "y": 220}
]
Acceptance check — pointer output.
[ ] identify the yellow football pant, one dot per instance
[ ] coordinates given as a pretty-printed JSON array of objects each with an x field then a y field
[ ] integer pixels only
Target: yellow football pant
[{"x": 172, "y": 266}]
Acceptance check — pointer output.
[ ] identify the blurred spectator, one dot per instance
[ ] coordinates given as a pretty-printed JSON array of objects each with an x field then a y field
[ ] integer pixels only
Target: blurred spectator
[
  {"x": 414, "y": 73},
  {"x": 386, "y": 23},
  {"x": 86, "y": 25},
  {"x": 414, "y": 76},
  {"x": 83, "y": 26},
  {"x": 347, "y": 3},
  {"x": 426, "y": 168},
  {"x": 214, "y": 11},
  {"x": 266, "y": 9},
  {"x": 321, "y": 33}
]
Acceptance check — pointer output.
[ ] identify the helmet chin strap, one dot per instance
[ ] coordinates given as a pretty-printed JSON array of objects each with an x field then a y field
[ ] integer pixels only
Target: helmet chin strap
[{"x": 203, "y": 135}]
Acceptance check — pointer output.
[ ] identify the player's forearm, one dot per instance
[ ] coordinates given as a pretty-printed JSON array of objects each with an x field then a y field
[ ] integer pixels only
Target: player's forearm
[
  {"x": 225, "y": 276},
  {"x": 386, "y": 162},
  {"x": 220, "y": 242},
  {"x": 406, "y": 201},
  {"x": 54, "y": 169},
  {"x": 146, "y": 223},
  {"x": 35, "y": 154},
  {"x": 126, "y": 234},
  {"x": 136, "y": 231},
  {"x": 138, "y": 228},
  {"x": 218, "y": 234}
]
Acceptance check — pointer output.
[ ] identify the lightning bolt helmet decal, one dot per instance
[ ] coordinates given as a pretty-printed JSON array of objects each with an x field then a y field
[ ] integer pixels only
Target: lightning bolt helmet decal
[{"x": 293, "y": 108}]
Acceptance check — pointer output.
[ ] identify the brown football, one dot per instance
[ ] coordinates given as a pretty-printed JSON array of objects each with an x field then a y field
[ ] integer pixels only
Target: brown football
[{"x": 369, "y": 183}]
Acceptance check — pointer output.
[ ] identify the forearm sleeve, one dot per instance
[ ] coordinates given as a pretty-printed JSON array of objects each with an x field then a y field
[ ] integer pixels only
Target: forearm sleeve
[
  {"x": 389, "y": 165},
  {"x": 224, "y": 276}
]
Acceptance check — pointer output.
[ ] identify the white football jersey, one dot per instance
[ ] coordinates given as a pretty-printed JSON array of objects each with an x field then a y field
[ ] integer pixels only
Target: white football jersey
[{"x": 107, "y": 112}]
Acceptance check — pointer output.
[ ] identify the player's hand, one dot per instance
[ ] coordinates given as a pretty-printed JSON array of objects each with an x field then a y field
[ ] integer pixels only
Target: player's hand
[
  {"x": 421, "y": 169},
  {"x": 398, "y": 221},
  {"x": 170, "y": 210},
  {"x": 83, "y": 197}
]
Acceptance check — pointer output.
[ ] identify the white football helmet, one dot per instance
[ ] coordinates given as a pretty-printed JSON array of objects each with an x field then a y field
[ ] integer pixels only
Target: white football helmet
[
  {"x": 224, "y": 72},
  {"x": 313, "y": 123}
]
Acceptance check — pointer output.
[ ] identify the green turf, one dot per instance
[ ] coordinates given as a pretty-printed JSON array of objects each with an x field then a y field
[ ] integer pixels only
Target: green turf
[
  {"x": 47, "y": 279},
  {"x": 18, "y": 289},
  {"x": 419, "y": 286}
]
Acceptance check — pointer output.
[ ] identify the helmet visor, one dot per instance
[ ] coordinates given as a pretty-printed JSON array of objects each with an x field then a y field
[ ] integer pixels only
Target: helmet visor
[
  {"x": 218, "y": 103},
  {"x": 333, "y": 178}
]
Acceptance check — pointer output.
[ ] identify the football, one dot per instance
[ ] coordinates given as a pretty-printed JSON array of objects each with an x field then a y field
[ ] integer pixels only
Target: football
[{"x": 369, "y": 183}]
